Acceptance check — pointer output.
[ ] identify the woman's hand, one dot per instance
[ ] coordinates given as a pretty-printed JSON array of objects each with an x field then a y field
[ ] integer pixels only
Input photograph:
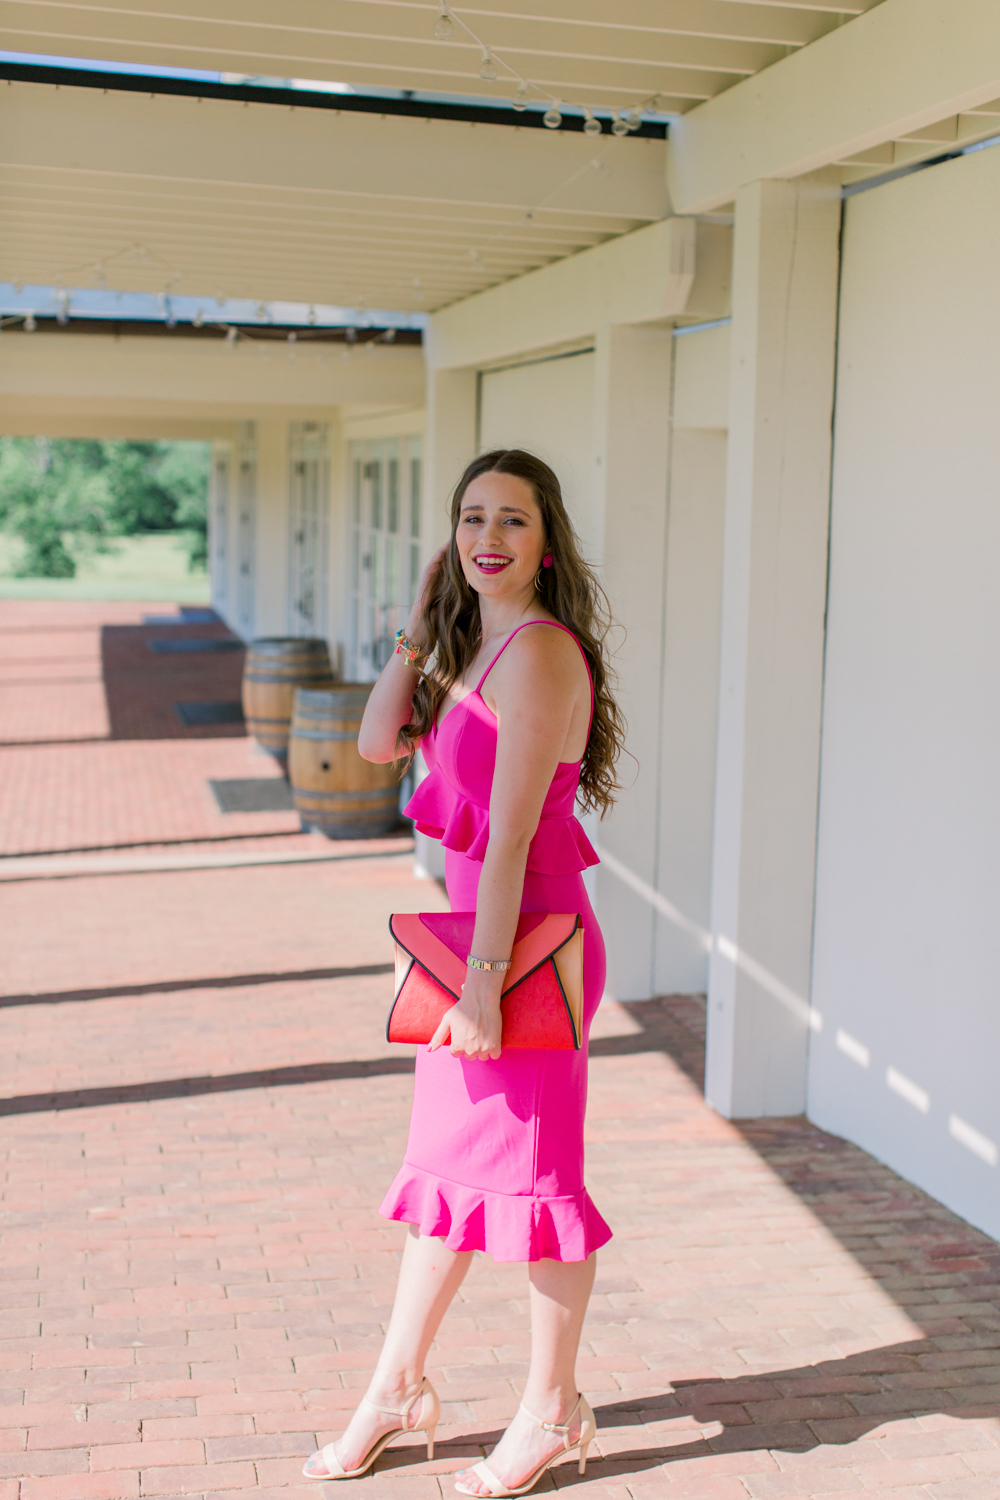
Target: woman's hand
[{"x": 474, "y": 1023}]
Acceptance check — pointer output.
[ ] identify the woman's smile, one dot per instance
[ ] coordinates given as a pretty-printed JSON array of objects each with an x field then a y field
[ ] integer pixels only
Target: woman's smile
[{"x": 492, "y": 562}]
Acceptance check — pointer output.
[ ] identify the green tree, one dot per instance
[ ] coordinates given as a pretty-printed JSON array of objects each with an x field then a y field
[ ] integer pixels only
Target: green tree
[
  {"x": 47, "y": 494},
  {"x": 65, "y": 498}
]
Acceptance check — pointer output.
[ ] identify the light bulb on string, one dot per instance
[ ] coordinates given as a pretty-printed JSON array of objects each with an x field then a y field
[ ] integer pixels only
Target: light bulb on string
[
  {"x": 553, "y": 116},
  {"x": 198, "y": 318},
  {"x": 618, "y": 125},
  {"x": 488, "y": 70},
  {"x": 231, "y": 337},
  {"x": 590, "y": 125},
  {"x": 443, "y": 26},
  {"x": 520, "y": 99},
  {"x": 634, "y": 118},
  {"x": 29, "y": 323},
  {"x": 389, "y": 336}
]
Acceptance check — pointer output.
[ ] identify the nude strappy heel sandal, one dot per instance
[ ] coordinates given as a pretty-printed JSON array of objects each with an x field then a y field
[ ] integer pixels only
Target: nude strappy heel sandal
[
  {"x": 430, "y": 1414},
  {"x": 588, "y": 1429}
]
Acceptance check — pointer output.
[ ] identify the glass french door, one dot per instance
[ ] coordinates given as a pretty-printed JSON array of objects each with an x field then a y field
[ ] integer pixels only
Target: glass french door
[
  {"x": 385, "y": 478},
  {"x": 308, "y": 511}
]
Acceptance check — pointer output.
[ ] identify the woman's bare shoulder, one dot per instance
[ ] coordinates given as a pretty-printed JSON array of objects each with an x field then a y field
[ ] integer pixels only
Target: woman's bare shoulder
[{"x": 542, "y": 652}]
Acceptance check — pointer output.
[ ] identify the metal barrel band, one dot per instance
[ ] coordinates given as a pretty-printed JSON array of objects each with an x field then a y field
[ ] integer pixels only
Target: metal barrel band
[
  {"x": 299, "y": 733},
  {"x": 384, "y": 794}
]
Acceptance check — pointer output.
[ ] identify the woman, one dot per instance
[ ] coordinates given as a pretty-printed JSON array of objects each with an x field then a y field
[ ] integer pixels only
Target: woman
[{"x": 513, "y": 718}]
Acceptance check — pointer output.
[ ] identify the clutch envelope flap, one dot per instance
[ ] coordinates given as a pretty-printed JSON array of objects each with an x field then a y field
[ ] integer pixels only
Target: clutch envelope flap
[
  {"x": 539, "y": 943},
  {"x": 421, "y": 943}
]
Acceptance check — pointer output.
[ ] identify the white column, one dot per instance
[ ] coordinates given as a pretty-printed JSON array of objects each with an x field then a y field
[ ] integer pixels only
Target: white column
[
  {"x": 632, "y": 417},
  {"x": 773, "y": 600}
]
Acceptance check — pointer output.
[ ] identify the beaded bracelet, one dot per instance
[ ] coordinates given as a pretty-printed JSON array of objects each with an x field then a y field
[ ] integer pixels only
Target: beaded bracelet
[
  {"x": 499, "y": 964},
  {"x": 410, "y": 653}
]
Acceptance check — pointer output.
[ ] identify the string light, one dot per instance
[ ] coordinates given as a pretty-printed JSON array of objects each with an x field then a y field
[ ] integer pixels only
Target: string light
[
  {"x": 443, "y": 26},
  {"x": 489, "y": 71},
  {"x": 29, "y": 323}
]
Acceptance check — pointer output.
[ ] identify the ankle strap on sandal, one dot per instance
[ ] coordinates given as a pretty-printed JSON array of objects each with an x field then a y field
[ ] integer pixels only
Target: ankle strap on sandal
[
  {"x": 401, "y": 1411},
  {"x": 562, "y": 1427}
]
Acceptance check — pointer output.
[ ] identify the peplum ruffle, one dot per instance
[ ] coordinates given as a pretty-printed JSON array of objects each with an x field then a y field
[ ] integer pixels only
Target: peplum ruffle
[
  {"x": 510, "y": 1227},
  {"x": 560, "y": 847}
]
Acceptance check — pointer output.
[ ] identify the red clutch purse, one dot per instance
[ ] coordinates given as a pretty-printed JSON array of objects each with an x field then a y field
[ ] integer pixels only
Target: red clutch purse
[{"x": 542, "y": 996}]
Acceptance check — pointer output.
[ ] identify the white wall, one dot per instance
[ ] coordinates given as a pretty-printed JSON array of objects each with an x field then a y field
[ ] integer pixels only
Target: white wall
[
  {"x": 547, "y": 406},
  {"x": 908, "y": 880}
]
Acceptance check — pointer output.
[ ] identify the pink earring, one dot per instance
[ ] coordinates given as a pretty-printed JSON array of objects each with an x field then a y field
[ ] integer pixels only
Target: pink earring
[{"x": 547, "y": 560}]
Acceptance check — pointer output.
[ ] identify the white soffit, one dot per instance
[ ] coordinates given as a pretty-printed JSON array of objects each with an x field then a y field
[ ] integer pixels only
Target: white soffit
[
  {"x": 585, "y": 51},
  {"x": 212, "y": 197}
]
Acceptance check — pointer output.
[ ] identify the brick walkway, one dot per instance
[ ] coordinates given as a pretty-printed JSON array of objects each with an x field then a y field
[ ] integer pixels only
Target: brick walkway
[{"x": 201, "y": 1114}]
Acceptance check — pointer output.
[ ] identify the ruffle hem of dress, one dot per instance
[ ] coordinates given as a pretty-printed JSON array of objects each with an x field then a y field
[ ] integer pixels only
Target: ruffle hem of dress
[
  {"x": 510, "y": 1227},
  {"x": 560, "y": 846}
]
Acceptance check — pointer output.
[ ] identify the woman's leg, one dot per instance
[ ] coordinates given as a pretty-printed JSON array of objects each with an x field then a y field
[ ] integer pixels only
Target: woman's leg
[
  {"x": 560, "y": 1291},
  {"x": 429, "y": 1277}
]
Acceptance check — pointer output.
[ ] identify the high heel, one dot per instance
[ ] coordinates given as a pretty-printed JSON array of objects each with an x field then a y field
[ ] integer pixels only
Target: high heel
[
  {"x": 430, "y": 1415},
  {"x": 588, "y": 1429}
]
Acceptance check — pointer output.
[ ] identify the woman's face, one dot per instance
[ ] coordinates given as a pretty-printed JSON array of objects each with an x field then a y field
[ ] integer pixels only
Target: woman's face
[{"x": 500, "y": 535}]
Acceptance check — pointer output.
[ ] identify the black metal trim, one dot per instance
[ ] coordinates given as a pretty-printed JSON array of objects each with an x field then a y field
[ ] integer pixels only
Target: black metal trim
[
  {"x": 251, "y": 93},
  {"x": 276, "y": 333}
]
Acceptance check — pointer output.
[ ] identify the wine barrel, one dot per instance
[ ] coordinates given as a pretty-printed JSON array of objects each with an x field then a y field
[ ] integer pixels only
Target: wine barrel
[
  {"x": 275, "y": 666},
  {"x": 334, "y": 790}
]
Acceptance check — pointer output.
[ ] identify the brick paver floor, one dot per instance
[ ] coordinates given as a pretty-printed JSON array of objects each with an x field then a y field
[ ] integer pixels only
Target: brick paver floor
[{"x": 200, "y": 1116}]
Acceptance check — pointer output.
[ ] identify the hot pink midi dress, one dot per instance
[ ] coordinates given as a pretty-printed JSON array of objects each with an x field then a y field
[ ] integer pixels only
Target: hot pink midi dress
[{"x": 494, "y": 1159}]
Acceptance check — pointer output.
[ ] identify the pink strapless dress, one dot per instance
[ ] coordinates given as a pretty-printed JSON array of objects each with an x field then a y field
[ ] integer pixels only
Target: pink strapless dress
[{"x": 494, "y": 1159}]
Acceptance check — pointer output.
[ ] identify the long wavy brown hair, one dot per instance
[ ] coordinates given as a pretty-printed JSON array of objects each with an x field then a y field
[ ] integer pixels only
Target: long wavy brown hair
[{"x": 569, "y": 590}]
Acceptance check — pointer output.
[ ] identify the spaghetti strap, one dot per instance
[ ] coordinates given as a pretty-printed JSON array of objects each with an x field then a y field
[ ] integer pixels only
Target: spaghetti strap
[{"x": 558, "y": 626}]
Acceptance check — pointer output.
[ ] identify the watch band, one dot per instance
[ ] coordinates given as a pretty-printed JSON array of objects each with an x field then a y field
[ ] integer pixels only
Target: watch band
[{"x": 500, "y": 964}]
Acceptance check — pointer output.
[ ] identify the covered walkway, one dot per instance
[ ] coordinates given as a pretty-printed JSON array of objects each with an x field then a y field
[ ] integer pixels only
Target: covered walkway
[{"x": 201, "y": 1113}]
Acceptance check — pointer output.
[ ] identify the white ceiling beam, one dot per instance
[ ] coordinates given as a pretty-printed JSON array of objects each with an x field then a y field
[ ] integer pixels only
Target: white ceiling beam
[
  {"x": 900, "y": 67},
  {"x": 165, "y": 374},
  {"x": 637, "y": 278},
  {"x": 178, "y": 140}
]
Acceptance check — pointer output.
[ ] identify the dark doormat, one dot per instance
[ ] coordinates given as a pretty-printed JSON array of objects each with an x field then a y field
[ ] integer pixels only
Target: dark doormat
[
  {"x": 253, "y": 794},
  {"x": 185, "y": 617},
  {"x": 209, "y": 713},
  {"x": 222, "y": 643}
]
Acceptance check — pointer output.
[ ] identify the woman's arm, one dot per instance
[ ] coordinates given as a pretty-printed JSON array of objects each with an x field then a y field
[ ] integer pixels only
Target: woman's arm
[
  {"x": 390, "y": 705},
  {"x": 536, "y": 685}
]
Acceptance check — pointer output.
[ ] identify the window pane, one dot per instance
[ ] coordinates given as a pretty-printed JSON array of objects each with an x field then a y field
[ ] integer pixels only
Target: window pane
[
  {"x": 376, "y": 471},
  {"x": 414, "y": 497},
  {"x": 394, "y": 494}
]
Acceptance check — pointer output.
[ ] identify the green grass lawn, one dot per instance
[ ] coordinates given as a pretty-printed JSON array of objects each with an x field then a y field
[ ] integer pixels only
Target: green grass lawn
[{"x": 139, "y": 567}]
